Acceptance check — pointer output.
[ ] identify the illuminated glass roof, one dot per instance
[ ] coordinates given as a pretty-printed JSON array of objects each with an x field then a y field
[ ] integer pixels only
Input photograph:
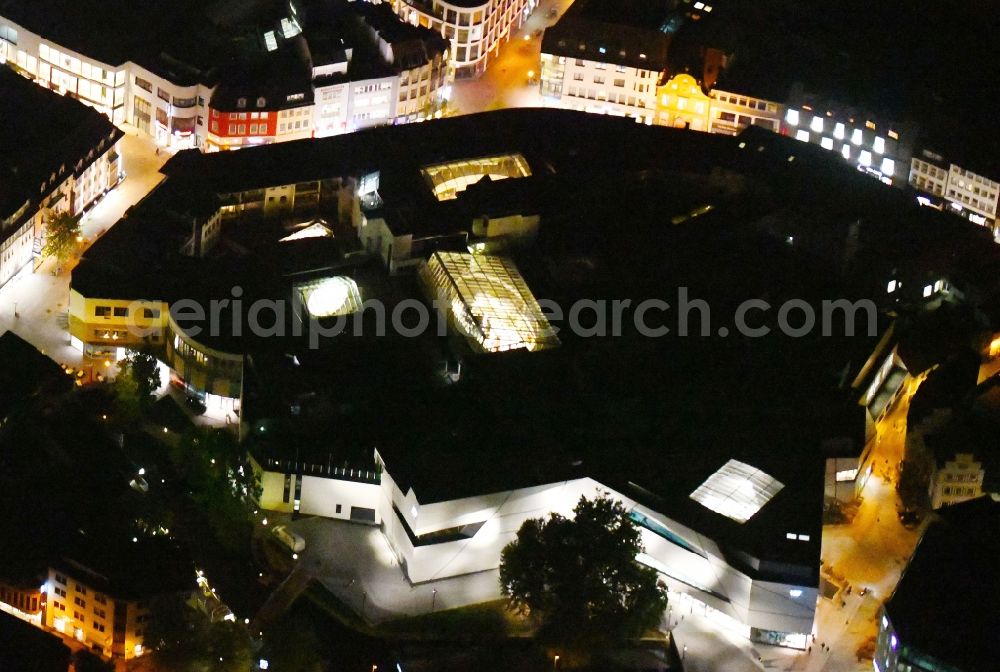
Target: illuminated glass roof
[
  {"x": 737, "y": 491},
  {"x": 488, "y": 301},
  {"x": 448, "y": 179},
  {"x": 317, "y": 228},
  {"x": 329, "y": 297}
]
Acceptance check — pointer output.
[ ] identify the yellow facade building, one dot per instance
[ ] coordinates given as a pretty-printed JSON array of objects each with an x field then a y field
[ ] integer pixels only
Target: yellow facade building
[
  {"x": 103, "y": 328},
  {"x": 681, "y": 103}
]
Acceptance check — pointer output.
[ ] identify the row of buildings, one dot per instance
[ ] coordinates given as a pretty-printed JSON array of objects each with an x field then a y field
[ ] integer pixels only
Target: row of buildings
[
  {"x": 73, "y": 161},
  {"x": 636, "y": 60},
  {"x": 485, "y": 213},
  {"x": 223, "y": 78}
]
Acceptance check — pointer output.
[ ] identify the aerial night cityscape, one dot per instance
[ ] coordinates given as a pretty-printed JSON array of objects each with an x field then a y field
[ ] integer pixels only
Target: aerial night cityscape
[{"x": 461, "y": 335}]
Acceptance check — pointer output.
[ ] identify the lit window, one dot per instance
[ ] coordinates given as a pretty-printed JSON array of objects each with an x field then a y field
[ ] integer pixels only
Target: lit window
[
  {"x": 737, "y": 491},
  {"x": 826, "y": 143},
  {"x": 790, "y": 535},
  {"x": 890, "y": 288},
  {"x": 838, "y": 131},
  {"x": 817, "y": 124},
  {"x": 856, "y": 136},
  {"x": 802, "y": 134},
  {"x": 866, "y": 158},
  {"x": 792, "y": 117},
  {"x": 888, "y": 167},
  {"x": 845, "y": 151},
  {"x": 803, "y": 537},
  {"x": 928, "y": 289},
  {"x": 879, "y": 145}
]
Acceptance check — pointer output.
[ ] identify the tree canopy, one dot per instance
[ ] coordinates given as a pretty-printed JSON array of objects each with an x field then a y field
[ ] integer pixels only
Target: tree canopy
[
  {"x": 186, "y": 639},
  {"x": 580, "y": 575},
  {"x": 62, "y": 235},
  {"x": 138, "y": 378}
]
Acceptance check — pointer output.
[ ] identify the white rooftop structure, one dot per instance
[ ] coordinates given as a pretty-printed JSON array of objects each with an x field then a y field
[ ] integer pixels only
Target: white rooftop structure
[{"x": 737, "y": 491}]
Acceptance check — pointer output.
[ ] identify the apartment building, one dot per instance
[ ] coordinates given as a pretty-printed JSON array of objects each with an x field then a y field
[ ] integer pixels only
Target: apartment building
[
  {"x": 476, "y": 29},
  {"x": 731, "y": 112},
  {"x": 956, "y": 480},
  {"x": 156, "y": 91},
  {"x": 875, "y": 143},
  {"x": 104, "y": 602},
  {"x": 23, "y": 601},
  {"x": 68, "y": 160},
  {"x": 946, "y": 185},
  {"x": 591, "y": 65}
]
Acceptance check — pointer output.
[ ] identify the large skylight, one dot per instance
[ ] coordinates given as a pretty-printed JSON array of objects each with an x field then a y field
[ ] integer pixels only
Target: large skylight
[
  {"x": 448, "y": 179},
  {"x": 488, "y": 301},
  {"x": 329, "y": 297},
  {"x": 737, "y": 491}
]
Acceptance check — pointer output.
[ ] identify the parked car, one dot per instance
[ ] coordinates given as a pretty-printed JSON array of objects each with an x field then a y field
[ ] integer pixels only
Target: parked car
[
  {"x": 294, "y": 542},
  {"x": 195, "y": 405}
]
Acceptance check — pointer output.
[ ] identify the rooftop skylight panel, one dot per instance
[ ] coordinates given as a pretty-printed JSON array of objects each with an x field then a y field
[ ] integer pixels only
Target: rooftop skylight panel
[
  {"x": 489, "y": 302},
  {"x": 737, "y": 491}
]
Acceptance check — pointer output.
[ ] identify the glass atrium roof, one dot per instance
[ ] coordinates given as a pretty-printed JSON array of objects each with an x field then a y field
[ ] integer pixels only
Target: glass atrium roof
[
  {"x": 448, "y": 179},
  {"x": 737, "y": 491},
  {"x": 488, "y": 301}
]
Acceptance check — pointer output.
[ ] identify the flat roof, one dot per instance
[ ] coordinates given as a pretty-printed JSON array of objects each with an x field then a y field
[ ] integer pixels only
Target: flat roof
[
  {"x": 26, "y": 647},
  {"x": 654, "y": 418},
  {"x": 951, "y": 588},
  {"x": 116, "y": 31}
]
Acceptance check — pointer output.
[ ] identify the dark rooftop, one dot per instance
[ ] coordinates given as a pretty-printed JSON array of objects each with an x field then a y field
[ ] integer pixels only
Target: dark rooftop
[
  {"x": 55, "y": 132},
  {"x": 951, "y": 588},
  {"x": 116, "y": 31},
  {"x": 653, "y": 417},
  {"x": 25, "y": 647},
  {"x": 26, "y": 374},
  {"x": 630, "y": 33}
]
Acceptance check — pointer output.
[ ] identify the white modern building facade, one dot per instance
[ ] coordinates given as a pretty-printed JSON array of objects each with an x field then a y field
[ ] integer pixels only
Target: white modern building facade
[
  {"x": 434, "y": 540},
  {"x": 171, "y": 113},
  {"x": 476, "y": 28}
]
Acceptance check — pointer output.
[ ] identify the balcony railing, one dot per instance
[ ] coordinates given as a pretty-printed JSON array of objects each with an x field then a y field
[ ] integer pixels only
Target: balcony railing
[{"x": 322, "y": 470}]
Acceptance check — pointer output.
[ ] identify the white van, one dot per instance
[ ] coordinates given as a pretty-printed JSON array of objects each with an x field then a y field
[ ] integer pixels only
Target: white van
[{"x": 293, "y": 541}]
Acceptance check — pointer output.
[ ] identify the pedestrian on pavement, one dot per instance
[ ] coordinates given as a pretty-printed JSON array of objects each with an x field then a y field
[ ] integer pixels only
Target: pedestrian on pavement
[{"x": 810, "y": 650}]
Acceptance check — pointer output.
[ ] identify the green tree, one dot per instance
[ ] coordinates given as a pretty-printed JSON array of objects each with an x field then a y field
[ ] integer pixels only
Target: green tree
[
  {"x": 914, "y": 482},
  {"x": 62, "y": 235},
  {"x": 581, "y": 577},
  {"x": 217, "y": 472},
  {"x": 185, "y": 639},
  {"x": 138, "y": 377}
]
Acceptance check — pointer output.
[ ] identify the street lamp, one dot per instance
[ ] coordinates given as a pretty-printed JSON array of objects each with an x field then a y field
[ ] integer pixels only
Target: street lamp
[
  {"x": 555, "y": 663},
  {"x": 434, "y": 594}
]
